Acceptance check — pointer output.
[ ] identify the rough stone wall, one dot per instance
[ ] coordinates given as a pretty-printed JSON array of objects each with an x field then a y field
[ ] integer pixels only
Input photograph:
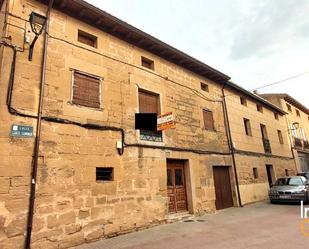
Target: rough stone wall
[{"x": 71, "y": 207}]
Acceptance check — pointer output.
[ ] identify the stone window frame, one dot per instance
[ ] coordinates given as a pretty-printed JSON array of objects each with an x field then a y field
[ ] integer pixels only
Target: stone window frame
[
  {"x": 247, "y": 125},
  {"x": 85, "y": 35},
  {"x": 73, "y": 70}
]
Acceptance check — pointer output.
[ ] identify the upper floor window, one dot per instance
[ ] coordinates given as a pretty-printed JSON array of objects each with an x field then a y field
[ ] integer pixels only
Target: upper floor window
[
  {"x": 289, "y": 107},
  {"x": 208, "y": 120},
  {"x": 280, "y": 137},
  {"x": 243, "y": 101},
  {"x": 86, "y": 90},
  {"x": 87, "y": 38},
  {"x": 149, "y": 103},
  {"x": 297, "y": 113},
  {"x": 204, "y": 87},
  {"x": 147, "y": 63},
  {"x": 255, "y": 173},
  {"x": 259, "y": 108},
  {"x": 276, "y": 115},
  {"x": 247, "y": 127}
]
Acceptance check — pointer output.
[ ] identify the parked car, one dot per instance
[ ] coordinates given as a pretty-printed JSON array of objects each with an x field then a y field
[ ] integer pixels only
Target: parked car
[
  {"x": 290, "y": 189},
  {"x": 304, "y": 174}
]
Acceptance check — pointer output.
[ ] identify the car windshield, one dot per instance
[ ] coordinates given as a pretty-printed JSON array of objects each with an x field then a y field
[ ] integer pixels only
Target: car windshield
[{"x": 289, "y": 182}]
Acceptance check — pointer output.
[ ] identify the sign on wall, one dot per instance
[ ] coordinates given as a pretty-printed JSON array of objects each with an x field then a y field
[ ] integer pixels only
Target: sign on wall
[
  {"x": 165, "y": 121},
  {"x": 21, "y": 131}
]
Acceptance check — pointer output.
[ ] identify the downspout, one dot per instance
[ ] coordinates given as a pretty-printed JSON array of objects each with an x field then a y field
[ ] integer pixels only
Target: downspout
[
  {"x": 38, "y": 133},
  {"x": 230, "y": 142}
]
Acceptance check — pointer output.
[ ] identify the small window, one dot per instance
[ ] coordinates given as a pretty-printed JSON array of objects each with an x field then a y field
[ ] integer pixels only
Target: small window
[
  {"x": 243, "y": 101},
  {"x": 104, "y": 174},
  {"x": 87, "y": 38},
  {"x": 147, "y": 63},
  {"x": 280, "y": 137},
  {"x": 255, "y": 173},
  {"x": 247, "y": 127},
  {"x": 208, "y": 120},
  {"x": 276, "y": 115},
  {"x": 297, "y": 113},
  {"x": 286, "y": 172},
  {"x": 204, "y": 87},
  {"x": 86, "y": 90},
  {"x": 259, "y": 108},
  {"x": 289, "y": 107}
]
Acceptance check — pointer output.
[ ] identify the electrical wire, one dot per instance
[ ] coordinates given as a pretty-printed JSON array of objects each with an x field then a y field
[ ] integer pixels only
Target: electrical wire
[{"x": 281, "y": 81}]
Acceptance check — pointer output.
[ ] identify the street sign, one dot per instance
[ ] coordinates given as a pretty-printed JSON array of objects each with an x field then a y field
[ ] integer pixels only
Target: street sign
[
  {"x": 21, "y": 131},
  {"x": 165, "y": 121}
]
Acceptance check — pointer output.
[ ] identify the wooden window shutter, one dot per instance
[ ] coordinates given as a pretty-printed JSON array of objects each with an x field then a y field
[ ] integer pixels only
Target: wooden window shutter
[
  {"x": 86, "y": 90},
  {"x": 148, "y": 102},
  {"x": 208, "y": 120}
]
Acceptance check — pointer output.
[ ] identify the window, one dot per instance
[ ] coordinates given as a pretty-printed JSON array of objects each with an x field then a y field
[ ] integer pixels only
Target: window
[
  {"x": 259, "y": 108},
  {"x": 280, "y": 137},
  {"x": 286, "y": 172},
  {"x": 276, "y": 115},
  {"x": 149, "y": 103},
  {"x": 86, "y": 90},
  {"x": 104, "y": 174},
  {"x": 147, "y": 63},
  {"x": 87, "y": 38},
  {"x": 255, "y": 173},
  {"x": 297, "y": 113},
  {"x": 264, "y": 131},
  {"x": 289, "y": 107},
  {"x": 204, "y": 87},
  {"x": 247, "y": 127},
  {"x": 243, "y": 101},
  {"x": 208, "y": 120}
]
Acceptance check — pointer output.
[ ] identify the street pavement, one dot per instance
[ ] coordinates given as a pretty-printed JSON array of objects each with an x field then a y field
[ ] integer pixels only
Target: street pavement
[{"x": 256, "y": 226}]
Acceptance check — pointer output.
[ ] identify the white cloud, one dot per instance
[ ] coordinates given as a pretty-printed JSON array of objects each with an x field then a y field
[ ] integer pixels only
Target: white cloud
[{"x": 254, "y": 42}]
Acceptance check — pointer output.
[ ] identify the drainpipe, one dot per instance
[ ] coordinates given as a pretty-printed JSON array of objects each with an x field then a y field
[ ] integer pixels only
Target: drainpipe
[
  {"x": 38, "y": 134},
  {"x": 230, "y": 142}
]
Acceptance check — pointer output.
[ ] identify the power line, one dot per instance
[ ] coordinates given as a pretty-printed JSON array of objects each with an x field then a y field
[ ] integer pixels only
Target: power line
[{"x": 280, "y": 81}]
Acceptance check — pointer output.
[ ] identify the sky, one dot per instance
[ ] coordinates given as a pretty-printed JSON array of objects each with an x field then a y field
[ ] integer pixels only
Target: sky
[{"x": 255, "y": 42}]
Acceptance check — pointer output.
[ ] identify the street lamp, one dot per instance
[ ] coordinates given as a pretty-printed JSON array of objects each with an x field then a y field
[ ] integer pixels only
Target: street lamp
[{"x": 37, "y": 23}]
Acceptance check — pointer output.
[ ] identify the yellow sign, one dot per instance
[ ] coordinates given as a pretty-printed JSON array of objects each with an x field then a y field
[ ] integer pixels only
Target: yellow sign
[{"x": 165, "y": 121}]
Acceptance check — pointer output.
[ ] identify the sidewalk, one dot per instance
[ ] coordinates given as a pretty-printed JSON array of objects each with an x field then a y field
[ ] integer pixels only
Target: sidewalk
[{"x": 255, "y": 226}]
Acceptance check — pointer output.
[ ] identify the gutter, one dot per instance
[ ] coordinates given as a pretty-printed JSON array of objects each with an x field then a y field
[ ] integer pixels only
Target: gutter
[
  {"x": 230, "y": 142},
  {"x": 38, "y": 133}
]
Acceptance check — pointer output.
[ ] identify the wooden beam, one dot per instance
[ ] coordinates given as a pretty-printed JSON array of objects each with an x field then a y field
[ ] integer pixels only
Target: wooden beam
[
  {"x": 81, "y": 13},
  {"x": 63, "y": 4}
]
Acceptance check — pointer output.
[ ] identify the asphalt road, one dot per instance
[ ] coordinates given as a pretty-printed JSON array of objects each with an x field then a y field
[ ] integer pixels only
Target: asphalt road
[{"x": 257, "y": 226}]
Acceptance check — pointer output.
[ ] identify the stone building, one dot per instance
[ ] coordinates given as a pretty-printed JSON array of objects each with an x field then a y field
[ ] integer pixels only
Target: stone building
[
  {"x": 68, "y": 136},
  {"x": 260, "y": 141},
  {"x": 297, "y": 126}
]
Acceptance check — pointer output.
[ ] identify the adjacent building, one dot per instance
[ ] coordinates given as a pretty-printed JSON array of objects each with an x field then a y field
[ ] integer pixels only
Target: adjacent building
[
  {"x": 68, "y": 137},
  {"x": 297, "y": 126}
]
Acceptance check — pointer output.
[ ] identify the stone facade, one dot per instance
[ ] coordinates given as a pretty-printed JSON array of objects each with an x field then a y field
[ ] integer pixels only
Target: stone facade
[
  {"x": 249, "y": 149},
  {"x": 298, "y": 134},
  {"x": 71, "y": 206}
]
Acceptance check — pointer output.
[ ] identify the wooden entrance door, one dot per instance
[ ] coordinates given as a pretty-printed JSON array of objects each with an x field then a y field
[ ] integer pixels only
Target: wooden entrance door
[
  {"x": 222, "y": 187},
  {"x": 176, "y": 186}
]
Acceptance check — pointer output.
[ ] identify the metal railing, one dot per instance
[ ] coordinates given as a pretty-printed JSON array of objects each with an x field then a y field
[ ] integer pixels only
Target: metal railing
[{"x": 267, "y": 147}]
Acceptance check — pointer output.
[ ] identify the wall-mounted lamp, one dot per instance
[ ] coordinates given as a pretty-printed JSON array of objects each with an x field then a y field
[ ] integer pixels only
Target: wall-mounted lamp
[
  {"x": 37, "y": 23},
  {"x": 295, "y": 126}
]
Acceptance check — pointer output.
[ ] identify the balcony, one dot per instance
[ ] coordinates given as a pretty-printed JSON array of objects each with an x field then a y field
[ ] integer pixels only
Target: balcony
[
  {"x": 298, "y": 143},
  {"x": 306, "y": 145},
  {"x": 267, "y": 147}
]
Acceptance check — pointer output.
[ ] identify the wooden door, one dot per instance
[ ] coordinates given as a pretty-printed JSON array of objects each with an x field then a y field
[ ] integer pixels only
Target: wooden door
[
  {"x": 176, "y": 187},
  {"x": 222, "y": 187}
]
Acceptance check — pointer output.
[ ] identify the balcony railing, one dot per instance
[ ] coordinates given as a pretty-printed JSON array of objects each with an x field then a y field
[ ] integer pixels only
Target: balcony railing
[
  {"x": 306, "y": 145},
  {"x": 298, "y": 142},
  {"x": 267, "y": 147}
]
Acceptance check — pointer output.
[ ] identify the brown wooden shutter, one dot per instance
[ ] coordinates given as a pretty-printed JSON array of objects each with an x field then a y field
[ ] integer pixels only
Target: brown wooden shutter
[
  {"x": 208, "y": 120},
  {"x": 86, "y": 90},
  {"x": 148, "y": 103}
]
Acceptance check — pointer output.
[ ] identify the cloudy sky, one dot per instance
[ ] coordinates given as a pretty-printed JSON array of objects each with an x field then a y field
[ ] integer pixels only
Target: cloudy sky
[{"x": 255, "y": 42}]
